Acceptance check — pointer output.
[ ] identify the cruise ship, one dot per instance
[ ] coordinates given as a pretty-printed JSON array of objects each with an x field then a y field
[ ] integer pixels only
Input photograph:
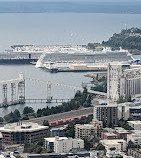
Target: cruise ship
[
  {"x": 59, "y": 55},
  {"x": 80, "y": 61}
]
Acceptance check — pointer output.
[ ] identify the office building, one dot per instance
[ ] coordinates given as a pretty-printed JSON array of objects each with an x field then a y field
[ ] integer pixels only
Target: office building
[{"x": 21, "y": 133}]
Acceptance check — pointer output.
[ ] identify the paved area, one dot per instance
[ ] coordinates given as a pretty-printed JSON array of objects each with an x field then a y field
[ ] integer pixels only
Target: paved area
[{"x": 65, "y": 115}]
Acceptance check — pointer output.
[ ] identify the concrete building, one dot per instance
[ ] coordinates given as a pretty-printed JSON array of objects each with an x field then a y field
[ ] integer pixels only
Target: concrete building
[
  {"x": 123, "y": 81},
  {"x": 57, "y": 132},
  {"x": 121, "y": 133},
  {"x": 109, "y": 136},
  {"x": 108, "y": 114},
  {"x": 1, "y": 137},
  {"x": 134, "y": 153},
  {"x": 119, "y": 144},
  {"x": 136, "y": 125},
  {"x": 135, "y": 137},
  {"x": 84, "y": 131},
  {"x": 63, "y": 144},
  {"x": 21, "y": 133}
]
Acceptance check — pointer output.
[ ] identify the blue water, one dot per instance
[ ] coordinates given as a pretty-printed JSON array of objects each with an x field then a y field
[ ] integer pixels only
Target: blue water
[{"x": 69, "y": 22}]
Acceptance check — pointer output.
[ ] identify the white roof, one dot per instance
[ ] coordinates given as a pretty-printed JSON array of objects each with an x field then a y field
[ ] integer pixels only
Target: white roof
[
  {"x": 88, "y": 126},
  {"x": 52, "y": 139},
  {"x": 22, "y": 127},
  {"x": 106, "y": 141},
  {"x": 134, "y": 122}
]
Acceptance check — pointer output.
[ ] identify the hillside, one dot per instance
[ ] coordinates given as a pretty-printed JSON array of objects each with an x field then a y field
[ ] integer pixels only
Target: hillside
[{"x": 127, "y": 39}]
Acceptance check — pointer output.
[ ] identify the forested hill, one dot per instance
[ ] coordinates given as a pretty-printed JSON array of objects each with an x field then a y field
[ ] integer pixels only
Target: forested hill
[{"x": 127, "y": 39}]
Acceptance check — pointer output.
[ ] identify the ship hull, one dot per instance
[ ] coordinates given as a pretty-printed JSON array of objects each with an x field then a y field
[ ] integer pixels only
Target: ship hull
[{"x": 17, "y": 61}]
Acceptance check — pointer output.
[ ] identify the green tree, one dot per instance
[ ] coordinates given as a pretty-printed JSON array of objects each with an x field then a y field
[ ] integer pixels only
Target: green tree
[
  {"x": 1, "y": 119},
  {"x": 28, "y": 110},
  {"x": 100, "y": 147},
  {"x": 87, "y": 144},
  {"x": 45, "y": 123}
]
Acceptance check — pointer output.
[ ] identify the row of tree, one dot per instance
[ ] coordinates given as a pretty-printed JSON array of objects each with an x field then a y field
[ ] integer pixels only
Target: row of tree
[{"x": 81, "y": 99}]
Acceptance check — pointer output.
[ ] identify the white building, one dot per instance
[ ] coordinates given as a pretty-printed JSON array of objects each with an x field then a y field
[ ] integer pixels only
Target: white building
[
  {"x": 118, "y": 144},
  {"x": 136, "y": 125},
  {"x": 135, "y": 137},
  {"x": 63, "y": 144},
  {"x": 123, "y": 81}
]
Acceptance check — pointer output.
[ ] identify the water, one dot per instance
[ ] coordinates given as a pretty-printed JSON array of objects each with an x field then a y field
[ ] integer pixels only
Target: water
[
  {"x": 37, "y": 89},
  {"x": 78, "y": 23}
]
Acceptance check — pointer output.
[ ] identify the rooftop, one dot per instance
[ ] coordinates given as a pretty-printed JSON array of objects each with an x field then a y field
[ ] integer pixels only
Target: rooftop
[
  {"x": 134, "y": 122},
  {"x": 109, "y": 134},
  {"x": 52, "y": 139},
  {"x": 106, "y": 141},
  {"x": 88, "y": 126},
  {"x": 22, "y": 127}
]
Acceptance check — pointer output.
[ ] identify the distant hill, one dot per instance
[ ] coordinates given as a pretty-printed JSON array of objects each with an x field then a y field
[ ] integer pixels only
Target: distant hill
[{"x": 127, "y": 39}]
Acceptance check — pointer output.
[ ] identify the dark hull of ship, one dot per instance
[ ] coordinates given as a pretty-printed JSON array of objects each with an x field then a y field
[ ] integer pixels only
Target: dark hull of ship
[{"x": 17, "y": 61}]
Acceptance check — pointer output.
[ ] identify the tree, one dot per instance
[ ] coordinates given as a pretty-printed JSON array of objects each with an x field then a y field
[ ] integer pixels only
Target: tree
[
  {"x": 100, "y": 147},
  {"x": 45, "y": 123},
  {"x": 28, "y": 110},
  {"x": 87, "y": 144},
  {"x": 1, "y": 119}
]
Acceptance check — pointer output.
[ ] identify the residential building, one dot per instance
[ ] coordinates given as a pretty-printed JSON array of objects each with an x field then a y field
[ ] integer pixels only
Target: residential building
[
  {"x": 121, "y": 133},
  {"x": 135, "y": 153},
  {"x": 84, "y": 131},
  {"x": 135, "y": 137},
  {"x": 63, "y": 144},
  {"x": 107, "y": 113},
  {"x": 57, "y": 132},
  {"x": 21, "y": 133},
  {"x": 118, "y": 144},
  {"x": 123, "y": 81},
  {"x": 136, "y": 125},
  {"x": 109, "y": 136},
  {"x": 1, "y": 137}
]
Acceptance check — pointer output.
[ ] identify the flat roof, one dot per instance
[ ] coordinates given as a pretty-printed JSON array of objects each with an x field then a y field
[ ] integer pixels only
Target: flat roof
[
  {"x": 22, "y": 127},
  {"x": 109, "y": 134},
  {"x": 84, "y": 126},
  {"x": 134, "y": 122},
  {"x": 52, "y": 139}
]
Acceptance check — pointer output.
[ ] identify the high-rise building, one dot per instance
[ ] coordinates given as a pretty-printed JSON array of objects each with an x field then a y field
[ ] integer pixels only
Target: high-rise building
[{"x": 123, "y": 80}]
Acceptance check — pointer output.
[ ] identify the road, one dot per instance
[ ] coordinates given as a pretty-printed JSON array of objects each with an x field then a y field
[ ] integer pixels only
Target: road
[{"x": 65, "y": 115}]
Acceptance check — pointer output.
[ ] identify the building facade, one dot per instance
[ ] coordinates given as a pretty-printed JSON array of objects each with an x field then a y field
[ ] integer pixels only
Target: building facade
[
  {"x": 63, "y": 144},
  {"x": 136, "y": 125},
  {"x": 84, "y": 131},
  {"x": 123, "y": 81},
  {"x": 135, "y": 137},
  {"x": 107, "y": 114}
]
